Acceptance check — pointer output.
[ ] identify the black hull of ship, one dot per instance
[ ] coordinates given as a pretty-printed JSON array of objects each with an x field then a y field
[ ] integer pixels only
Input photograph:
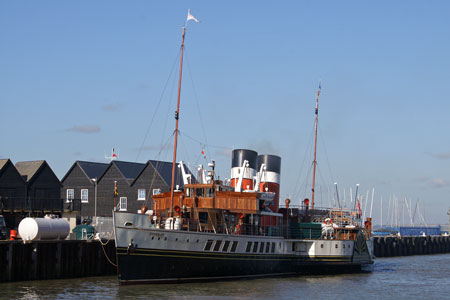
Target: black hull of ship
[{"x": 156, "y": 266}]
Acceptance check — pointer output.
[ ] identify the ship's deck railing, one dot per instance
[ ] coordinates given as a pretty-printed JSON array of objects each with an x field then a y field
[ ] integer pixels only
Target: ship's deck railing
[
  {"x": 290, "y": 230},
  {"x": 318, "y": 209}
]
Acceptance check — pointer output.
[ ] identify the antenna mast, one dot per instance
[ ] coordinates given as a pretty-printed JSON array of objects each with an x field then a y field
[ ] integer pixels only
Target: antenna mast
[{"x": 315, "y": 146}]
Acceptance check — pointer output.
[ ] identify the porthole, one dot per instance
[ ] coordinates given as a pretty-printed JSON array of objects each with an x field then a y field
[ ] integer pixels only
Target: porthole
[
  {"x": 321, "y": 245},
  {"x": 153, "y": 237},
  {"x": 165, "y": 238},
  {"x": 159, "y": 238},
  {"x": 336, "y": 246},
  {"x": 176, "y": 240},
  {"x": 187, "y": 241}
]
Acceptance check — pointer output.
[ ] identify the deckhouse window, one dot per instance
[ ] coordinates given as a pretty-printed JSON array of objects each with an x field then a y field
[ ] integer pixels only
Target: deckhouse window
[
  {"x": 70, "y": 195},
  {"x": 141, "y": 194},
  {"x": 226, "y": 245},
  {"x": 261, "y": 248},
  {"x": 255, "y": 247},
  {"x": 217, "y": 245},
  {"x": 249, "y": 247},
  {"x": 156, "y": 192},
  {"x": 208, "y": 245},
  {"x": 234, "y": 246},
  {"x": 200, "y": 192},
  {"x": 84, "y": 195},
  {"x": 209, "y": 192},
  {"x": 273, "y": 248},
  {"x": 267, "y": 247}
]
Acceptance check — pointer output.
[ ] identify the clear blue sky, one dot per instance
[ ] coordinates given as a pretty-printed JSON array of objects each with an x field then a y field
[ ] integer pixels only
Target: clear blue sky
[{"x": 80, "y": 77}]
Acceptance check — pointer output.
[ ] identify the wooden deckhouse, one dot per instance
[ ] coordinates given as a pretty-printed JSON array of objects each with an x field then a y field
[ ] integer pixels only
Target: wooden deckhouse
[{"x": 209, "y": 206}]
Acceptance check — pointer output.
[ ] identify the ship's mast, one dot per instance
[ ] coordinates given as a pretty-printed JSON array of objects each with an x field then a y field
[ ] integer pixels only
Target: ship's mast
[
  {"x": 315, "y": 146},
  {"x": 177, "y": 114}
]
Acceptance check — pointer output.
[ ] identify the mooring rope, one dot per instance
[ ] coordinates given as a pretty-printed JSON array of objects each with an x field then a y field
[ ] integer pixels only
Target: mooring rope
[{"x": 103, "y": 248}]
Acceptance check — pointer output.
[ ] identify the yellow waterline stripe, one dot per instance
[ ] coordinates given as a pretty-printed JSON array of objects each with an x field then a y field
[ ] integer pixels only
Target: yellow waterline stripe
[
  {"x": 301, "y": 258},
  {"x": 232, "y": 258}
]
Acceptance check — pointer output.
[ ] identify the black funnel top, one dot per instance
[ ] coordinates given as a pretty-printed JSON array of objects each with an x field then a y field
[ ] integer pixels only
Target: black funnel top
[
  {"x": 239, "y": 155},
  {"x": 273, "y": 163}
]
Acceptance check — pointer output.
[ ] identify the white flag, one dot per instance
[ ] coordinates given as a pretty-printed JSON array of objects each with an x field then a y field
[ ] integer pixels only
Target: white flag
[{"x": 191, "y": 17}]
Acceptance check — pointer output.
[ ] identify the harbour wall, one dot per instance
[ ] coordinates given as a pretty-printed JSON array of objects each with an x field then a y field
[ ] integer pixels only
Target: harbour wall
[
  {"x": 387, "y": 246},
  {"x": 40, "y": 260}
]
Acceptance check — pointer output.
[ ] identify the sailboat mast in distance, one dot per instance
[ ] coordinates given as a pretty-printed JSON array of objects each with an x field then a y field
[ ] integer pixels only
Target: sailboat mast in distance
[{"x": 315, "y": 146}]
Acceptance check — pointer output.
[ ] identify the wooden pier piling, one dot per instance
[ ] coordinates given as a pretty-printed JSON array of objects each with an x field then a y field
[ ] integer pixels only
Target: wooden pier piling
[
  {"x": 55, "y": 259},
  {"x": 386, "y": 246}
]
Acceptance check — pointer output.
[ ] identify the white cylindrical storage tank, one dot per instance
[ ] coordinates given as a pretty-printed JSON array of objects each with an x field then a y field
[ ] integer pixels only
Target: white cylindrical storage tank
[{"x": 43, "y": 229}]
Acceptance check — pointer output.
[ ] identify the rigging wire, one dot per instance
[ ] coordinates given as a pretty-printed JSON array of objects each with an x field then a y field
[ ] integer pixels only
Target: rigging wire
[
  {"x": 321, "y": 177},
  {"x": 307, "y": 153},
  {"x": 157, "y": 167},
  {"x": 325, "y": 152},
  {"x": 307, "y": 180},
  {"x": 201, "y": 143},
  {"x": 196, "y": 99},
  {"x": 307, "y": 150},
  {"x": 184, "y": 148},
  {"x": 164, "y": 146},
  {"x": 163, "y": 132},
  {"x": 157, "y": 107}
]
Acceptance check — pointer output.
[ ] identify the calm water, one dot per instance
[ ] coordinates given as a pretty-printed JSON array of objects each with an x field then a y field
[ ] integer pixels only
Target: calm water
[{"x": 414, "y": 277}]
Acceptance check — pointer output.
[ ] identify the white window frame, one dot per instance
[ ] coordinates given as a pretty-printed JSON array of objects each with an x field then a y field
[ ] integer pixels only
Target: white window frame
[
  {"x": 139, "y": 194},
  {"x": 156, "y": 191},
  {"x": 87, "y": 196},
  {"x": 123, "y": 204},
  {"x": 70, "y": 199}
]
